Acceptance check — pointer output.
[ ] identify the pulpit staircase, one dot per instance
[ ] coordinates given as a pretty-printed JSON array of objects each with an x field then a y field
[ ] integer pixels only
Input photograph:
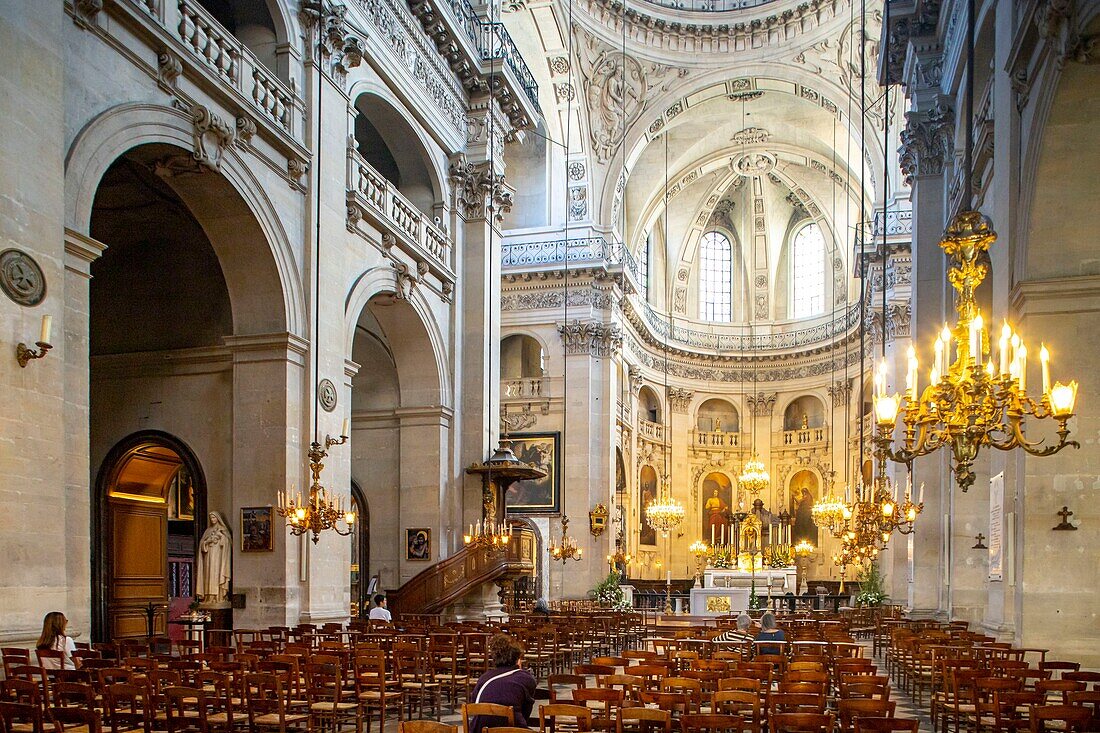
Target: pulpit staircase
[{"x": 463, "y": 574}]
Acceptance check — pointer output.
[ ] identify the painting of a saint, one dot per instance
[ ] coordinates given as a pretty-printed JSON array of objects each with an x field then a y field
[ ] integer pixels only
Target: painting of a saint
[
  {"x": 803, "y": 494},
  {"x": 647, "y": 493},
  {"x": 718, "y": 492},
  {"x": 541, "y": 495}
]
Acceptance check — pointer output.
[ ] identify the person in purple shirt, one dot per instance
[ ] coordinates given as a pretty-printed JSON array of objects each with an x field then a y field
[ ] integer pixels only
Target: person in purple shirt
[{"x": 507, "y": 683}]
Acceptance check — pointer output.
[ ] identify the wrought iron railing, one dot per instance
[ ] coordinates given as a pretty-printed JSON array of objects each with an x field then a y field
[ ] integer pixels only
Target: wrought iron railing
[
  {"x": 580, "y": 251},
  {"x": 709, "y": 6},
  {"x": 494, "y": 43}
]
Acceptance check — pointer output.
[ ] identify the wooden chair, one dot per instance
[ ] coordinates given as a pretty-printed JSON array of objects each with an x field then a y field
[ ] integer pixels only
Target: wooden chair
[
  {"x": 577, "y": 718},
  {"x": 631, "y": 686},
  {"x": 742, "y": 703},
  {"x": 692, "y": 688},
  {"x": 570, "y": 681},
  {"x": 1058, "y": 690},
  {"x": 20, "y": 717},
  {"x": 448, "y": 667},
  {"x": 801, "y": 723},
  {"x": 268, "y": 703},
  {"x": 1062, "y": 718},
  {"x": 711, "y": 723},
  {"x": 329, "y": 704},
  {"x": 76, "y": 720},
  {"x": 491, "y": 711},
  {"x": 604, "y": 704},
  {"x": 416, "y": 679},
  {"x": 886, "y": 725},
  {"x": 185, "y": 710},
  {"x": 643, "y": 720},
  {"x": 795, "y": 703},
  {"x": 425, "y": 726},
  {"x": 374, "y": 690},
  {"x": 850, "y": 710},
  {"x": 127, "y": 707}
]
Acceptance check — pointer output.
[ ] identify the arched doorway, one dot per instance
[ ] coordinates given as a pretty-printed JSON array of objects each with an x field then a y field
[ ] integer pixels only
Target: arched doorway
[
  {"x": 150, "y": 509},
  {"x": 360, "y": 574}
]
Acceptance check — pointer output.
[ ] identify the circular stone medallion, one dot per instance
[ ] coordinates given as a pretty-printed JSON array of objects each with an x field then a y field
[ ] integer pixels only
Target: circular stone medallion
[
  {"x": 326, "y": 395},
  {"x": 21, "y": 278}
]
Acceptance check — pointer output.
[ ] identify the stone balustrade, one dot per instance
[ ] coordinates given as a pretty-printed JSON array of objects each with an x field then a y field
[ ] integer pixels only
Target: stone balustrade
[
  {"x": 370, "y": 195},
  {"x": 521, "y": 388},
  {"x": 802, "y": 437},
  {"x": 715, "y": 439},
  {"x": 653, "y": 431},
  {"x": 226, "y": 60}
]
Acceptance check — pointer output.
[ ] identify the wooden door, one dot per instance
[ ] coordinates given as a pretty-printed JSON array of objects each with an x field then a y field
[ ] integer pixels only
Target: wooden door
[{"x": 137, "y": 537}]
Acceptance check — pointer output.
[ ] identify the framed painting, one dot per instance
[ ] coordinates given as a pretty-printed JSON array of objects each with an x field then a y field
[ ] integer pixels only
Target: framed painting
[
  {"x": 536, "y": 496},
  {"x": 418, "y": 543},
  {"x": 256, "y": 534}
]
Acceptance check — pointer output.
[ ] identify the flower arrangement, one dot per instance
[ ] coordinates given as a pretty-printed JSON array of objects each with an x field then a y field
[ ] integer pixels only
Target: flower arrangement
[
  {"x": 755, "y": 601},
  {"x": 872, "y": 586},
  {"x": 609, "y": 595},
  {"x": 721, "y": 559}
]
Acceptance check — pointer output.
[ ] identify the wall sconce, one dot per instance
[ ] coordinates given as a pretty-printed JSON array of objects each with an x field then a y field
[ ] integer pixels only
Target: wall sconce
[
  {"x": 979, "y": 542},
  {"x": 25, "y": 354},
  {"x": 1064, "y": 525},
  {"x": 597, "y": 520}
]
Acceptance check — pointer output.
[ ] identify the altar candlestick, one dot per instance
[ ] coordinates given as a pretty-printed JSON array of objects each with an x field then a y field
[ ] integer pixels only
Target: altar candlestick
[
  {"x": 1006, "y": 334},
  {"x": 712, "y": 535}
]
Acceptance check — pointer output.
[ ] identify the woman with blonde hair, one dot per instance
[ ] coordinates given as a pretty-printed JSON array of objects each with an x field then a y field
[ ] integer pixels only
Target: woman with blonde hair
[{"x": 54, "y": 639}]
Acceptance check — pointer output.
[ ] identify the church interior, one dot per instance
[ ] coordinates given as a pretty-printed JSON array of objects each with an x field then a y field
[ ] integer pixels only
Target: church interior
[{"x": 637, "y": 345}]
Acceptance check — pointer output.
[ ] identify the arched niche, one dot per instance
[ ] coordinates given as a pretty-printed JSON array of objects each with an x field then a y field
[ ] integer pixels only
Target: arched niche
[
  {"x": 803, "y": 412},
  {"x": 717, "y": 414},
  {"x": 649, "y": 404},
  {"x": 521, "y": 356},
  {"x": 647, "y": 493},
  {"x": 804, "y": 489},
  {"x": 390, "y": 144}
]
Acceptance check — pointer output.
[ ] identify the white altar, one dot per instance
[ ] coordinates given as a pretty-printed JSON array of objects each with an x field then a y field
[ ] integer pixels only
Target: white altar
[{"x": 727, "y": 591}]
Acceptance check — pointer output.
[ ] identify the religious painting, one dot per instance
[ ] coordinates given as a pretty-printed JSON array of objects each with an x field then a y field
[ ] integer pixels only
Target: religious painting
[
  {"x": 536, "y": 496},
  {"x": 647, "y": 492},
  {"x": 803, "y": 493},
  {"x": 256, "y": 534},
  {"x": 717, "y": 493},
  {"x": 185, "y": 495},
  {"x": 418, "y": 543}
]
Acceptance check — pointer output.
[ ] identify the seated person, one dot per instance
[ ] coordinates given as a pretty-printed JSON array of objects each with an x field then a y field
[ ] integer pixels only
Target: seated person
[
  {"x": 769, "y": 631},
  {"x": 737, "y": 635},
  {"x": 507, "y": 683}
]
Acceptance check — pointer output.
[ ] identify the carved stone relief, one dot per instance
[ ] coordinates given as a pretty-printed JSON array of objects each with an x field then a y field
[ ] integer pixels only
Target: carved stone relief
[
  {"x": 679, "y": 399},
  {"x": 590, "y": 337}
]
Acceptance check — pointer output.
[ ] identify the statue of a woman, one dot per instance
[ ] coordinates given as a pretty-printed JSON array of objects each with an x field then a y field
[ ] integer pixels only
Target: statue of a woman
[{"x": 212, "y": 565}]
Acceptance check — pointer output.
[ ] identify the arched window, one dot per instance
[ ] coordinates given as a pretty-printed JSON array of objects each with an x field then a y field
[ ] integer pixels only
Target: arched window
[
  {"x": 643, "y": 266},
  {"x": 715, "y": 277},
  {"x": 807, "y": 257}
]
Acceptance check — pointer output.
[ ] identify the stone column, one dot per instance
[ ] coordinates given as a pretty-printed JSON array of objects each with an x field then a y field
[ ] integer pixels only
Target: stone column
[
  {"x": 481, "y": 197},
  {"x": 684, "y": 489},
  {"x": 926, "y": 142}
]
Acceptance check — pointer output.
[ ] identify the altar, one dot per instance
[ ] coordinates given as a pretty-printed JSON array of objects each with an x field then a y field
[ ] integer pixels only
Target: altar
[{"x": 727, "y": 591}]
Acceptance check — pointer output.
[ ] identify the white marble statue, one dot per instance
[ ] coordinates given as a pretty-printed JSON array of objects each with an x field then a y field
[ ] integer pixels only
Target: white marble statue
[{"x": 212, "y": 566}]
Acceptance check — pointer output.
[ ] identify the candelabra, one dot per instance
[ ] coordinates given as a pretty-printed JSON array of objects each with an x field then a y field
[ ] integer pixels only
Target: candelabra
[
  {"x": 485, "y": 535},
  {"x": 699, "y": 549},
  {"x": 831, "y": 513},
  {"x": 317, "y": 513},
  {"x": 970, "y": 402},
  {"x": 566, "y": 548},
  {"x": 754, "y": 478}
]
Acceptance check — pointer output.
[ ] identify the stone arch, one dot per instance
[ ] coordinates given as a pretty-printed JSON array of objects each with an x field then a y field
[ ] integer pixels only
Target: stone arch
[
  {"x": 522, "y": 356},
  {"x": 415, "y": 153},
  {"x": 720, "y": 408},
  {"x": 648, "y": 401},
  {"x": 250, "y": 240},
  {"x": 809, "y": 405},
  {"x": 421, "y": 335}
]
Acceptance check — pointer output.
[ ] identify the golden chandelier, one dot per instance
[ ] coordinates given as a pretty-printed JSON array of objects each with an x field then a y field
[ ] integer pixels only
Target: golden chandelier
[
  {"x": 664, "y": 513},
  {"x": 831, "y": 513},
  {"x": 317, "y": 512},
  {"x": 754, "y": 478},
  {"x": 566, "y": 548},
  {"x": 971, "y": 401}
]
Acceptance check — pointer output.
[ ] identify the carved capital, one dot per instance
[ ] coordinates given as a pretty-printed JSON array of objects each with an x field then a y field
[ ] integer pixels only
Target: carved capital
[
  {"x": 927, "y": 141},
  {"x": 340, "y": 47},
  {"x": 590, "y": 337},
  {"x": 679, "y": 399},
  {"x": 634, "y": 374},
  {"x": 841, "y": 392},
  {"x": 478, "y": 191},
  {"x": 762, "y": 404}
]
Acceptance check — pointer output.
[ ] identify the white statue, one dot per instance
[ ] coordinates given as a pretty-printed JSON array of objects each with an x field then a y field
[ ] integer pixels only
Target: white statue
[{"x": 212, "y": 573}]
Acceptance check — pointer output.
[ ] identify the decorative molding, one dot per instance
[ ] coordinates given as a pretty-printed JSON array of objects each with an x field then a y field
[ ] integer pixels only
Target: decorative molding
[
  {"x": 590, "y": 337},
  {"x": 550, "y": 299},
  {"x": 841, "y": 392},
  {"x": 761, "y": 404},
  {"x": 751, "y": 136},
  {"x": 86, "y": 12},
  {"x": 169, "y": 68},
  {"x": 246, "y": 129},
  {"x": 405, "y": 280},
  {"x": 1059, "y": 24},
  {"x": 511, "y": 422},
  {"x": 477, "y": 190},
  {"x": 578, "y": 203},
  {"x": 634, "y": 374},
  {"x": 327, "y": 396},
  {"x": 340, "y": 47},
  {"x": 21, "y": 278},
  {"x": 209, "y": 127},
  {"x": 679, "y": 399},
  {"x": 927, "y": 141}
]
